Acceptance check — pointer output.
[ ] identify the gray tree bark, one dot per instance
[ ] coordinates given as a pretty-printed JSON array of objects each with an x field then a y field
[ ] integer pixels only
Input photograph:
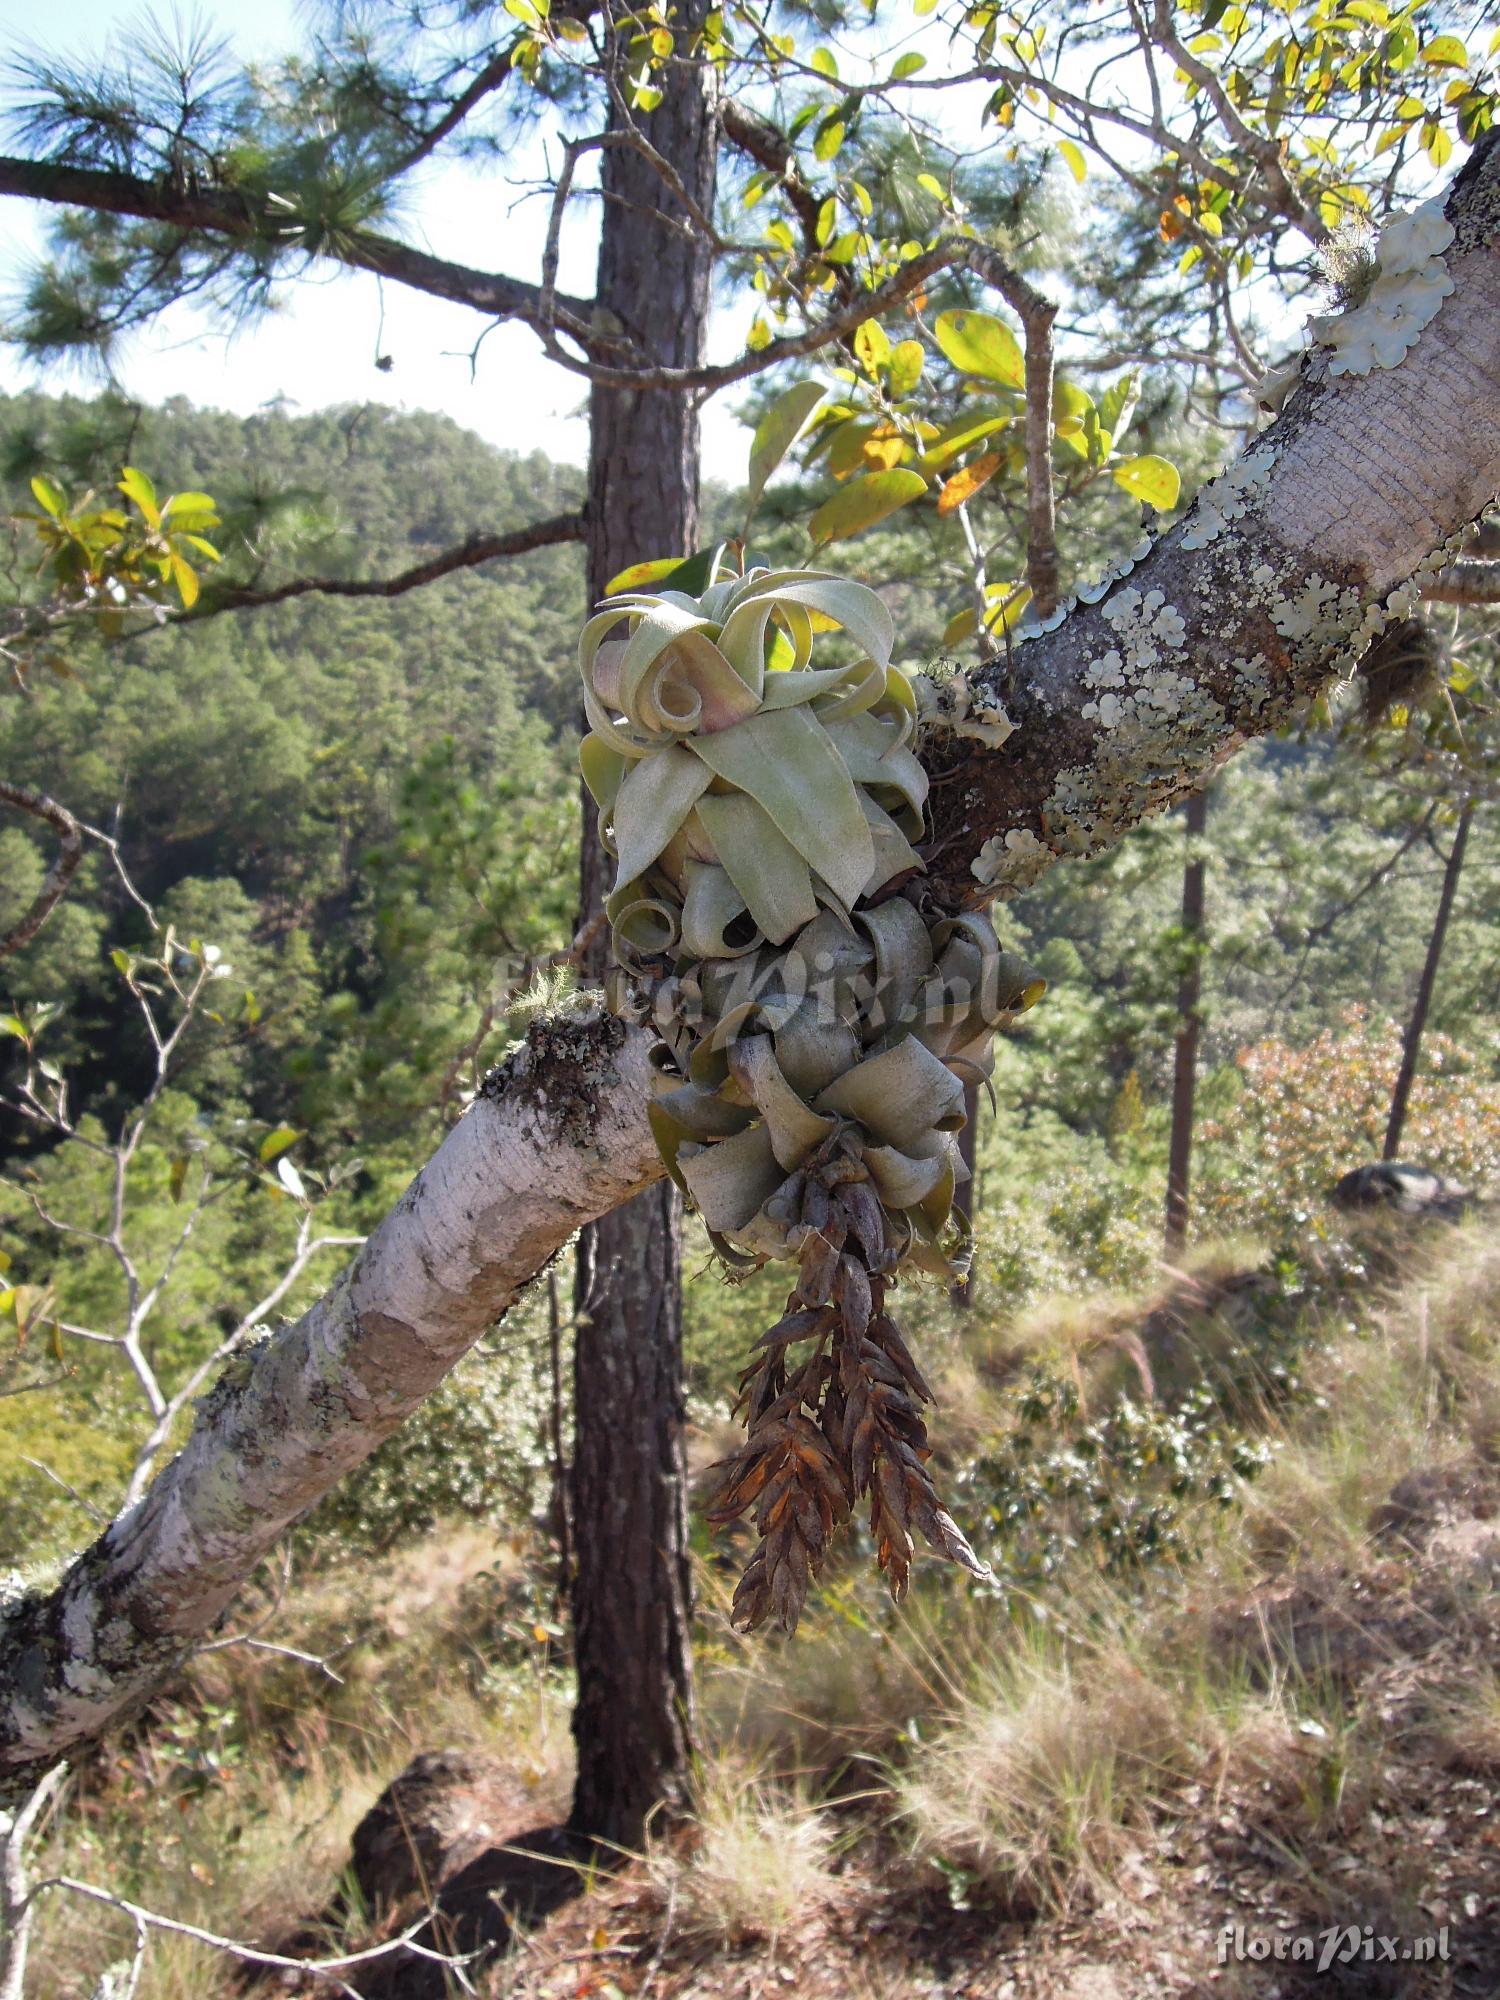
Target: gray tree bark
[
  {"x": 1342, "y": 510},
  {"x": 632, "y": 1591}
]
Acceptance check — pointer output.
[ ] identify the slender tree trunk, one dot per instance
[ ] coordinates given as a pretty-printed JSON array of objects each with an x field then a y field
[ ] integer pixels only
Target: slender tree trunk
[
  {"x": 1185, "y": 1062},
  {"x": 1411, "y": 1045},
  {"x": 632, "y": 1589}
]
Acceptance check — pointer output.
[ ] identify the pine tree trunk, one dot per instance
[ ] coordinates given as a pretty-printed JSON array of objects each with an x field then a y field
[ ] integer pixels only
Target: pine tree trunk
[
  {"x": 632, "y": 1588},
  {"x": 1185, "y": 1061},
  {"x": 1411, "y": 1046}
]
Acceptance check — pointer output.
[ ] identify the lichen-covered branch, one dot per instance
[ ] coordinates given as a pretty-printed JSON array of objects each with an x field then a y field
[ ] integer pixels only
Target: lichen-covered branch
[
  {"x": 1273, "y": 584},
  {"x": 558, "y": 1136}
]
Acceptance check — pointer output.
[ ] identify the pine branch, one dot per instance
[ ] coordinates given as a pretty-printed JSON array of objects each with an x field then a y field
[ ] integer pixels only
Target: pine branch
[{"x": 244, "y": 218}]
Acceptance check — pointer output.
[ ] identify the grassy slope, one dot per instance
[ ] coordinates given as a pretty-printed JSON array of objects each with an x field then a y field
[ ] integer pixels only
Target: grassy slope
[{"x": 1073, "y": 1788}]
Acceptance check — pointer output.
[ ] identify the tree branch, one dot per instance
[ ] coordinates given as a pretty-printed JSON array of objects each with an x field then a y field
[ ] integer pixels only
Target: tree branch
[
  {"x": 58, "y": 876},
  {"x": 466, "y": 555},
  {"x": 245, "y": 218}
]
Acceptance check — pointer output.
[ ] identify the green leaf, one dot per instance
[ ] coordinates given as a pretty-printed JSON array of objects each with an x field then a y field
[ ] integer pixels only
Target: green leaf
[
  {"x": 907, "y": 65},
  {"x": 776, "y": 433},
  {"x": 12, "y": 1024},
  {"x": 1073, "y": 154},
  {"x": 1117, "y": 404},
  {"x": 864, "y": 502},
  {"x": 979, "y": 344},
  {"x": 949, "y": 444},
  {"x": 962, "y": 625},
  {"x": 120, "y": 960},
  {"x": 49, "y": 496},
  {"x": 830, "y": 138},
  {"x": 930, "y": 184},
  {"x": 825, "y": 63},
  {"x": 277, "y": 1142},
  {"x": 907, "y": 359},
  {"x": 696, "y": 572},
  {"x": 138, "y": 488},
  {"x": 177, "y": 1176},
  {"x": 1152, "y": 479}
]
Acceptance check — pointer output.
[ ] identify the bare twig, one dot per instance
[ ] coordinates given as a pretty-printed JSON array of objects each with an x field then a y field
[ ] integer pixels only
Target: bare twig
[{"x": 59, "y": 875}]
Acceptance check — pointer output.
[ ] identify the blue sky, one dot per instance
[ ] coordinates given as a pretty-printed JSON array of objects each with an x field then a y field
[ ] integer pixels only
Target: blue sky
[{"x": 322, "y": 346}]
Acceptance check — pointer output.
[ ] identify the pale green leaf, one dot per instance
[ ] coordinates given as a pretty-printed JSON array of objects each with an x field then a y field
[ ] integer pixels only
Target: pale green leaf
[
  {"x": 979, "y": 344},
  {"x": 775, "y": 434}
]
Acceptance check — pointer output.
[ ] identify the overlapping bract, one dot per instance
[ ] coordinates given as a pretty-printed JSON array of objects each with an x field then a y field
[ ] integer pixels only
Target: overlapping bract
[{"x": 816, "y": 1027}]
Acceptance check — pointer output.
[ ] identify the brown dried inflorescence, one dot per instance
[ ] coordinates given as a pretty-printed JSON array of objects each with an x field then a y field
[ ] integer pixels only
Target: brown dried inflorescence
[{"x": 841, "y": 1425}]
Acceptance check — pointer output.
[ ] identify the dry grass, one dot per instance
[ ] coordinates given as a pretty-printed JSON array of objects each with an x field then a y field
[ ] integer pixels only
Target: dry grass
[{"x": 756, "y": 1863}]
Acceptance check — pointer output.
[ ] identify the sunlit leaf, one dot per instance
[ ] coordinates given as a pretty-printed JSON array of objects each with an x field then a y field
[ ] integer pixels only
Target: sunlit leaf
[
  {"x": 1446, "y": 52},
  {"x": 907, "y": 65},
  {"x": 49, "y": 495},
  {"x": 1150, "y": 478},
  {"x": 872, "y": 346},
  {"x": 907, "y": 359},
  {"x": 641, "y": 575},
  {"x": 979, "y": 344},
  {"x": 864, "y": 502},
  {"x": 138, "y": 488},
  {"x": 290, "y": 1179},
  {"x": 276, "y": 1143},
  {"x": 1073, "y": 154}
]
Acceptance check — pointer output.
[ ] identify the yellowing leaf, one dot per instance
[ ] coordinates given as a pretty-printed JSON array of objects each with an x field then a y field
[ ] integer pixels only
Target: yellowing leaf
[
  {"x": 277, "y": 1142},
  {"x": 962, "y": 625},
  {"x": 872, "y": 346},
  {"x": 1150, "y": 478},
  {"x": 979, "y": 344},
  {"x": 966, "y": 482},
  {"x": 1446, "y": 51},
  {"x": 775, "y": 434},
  {"x": 1073, "y": 154},
  {"x": 864, "y": 502},
  {"x": 884, "y": 448},
  {"x": 137, "y": 487},
  {"x": 641, "y": 575}
]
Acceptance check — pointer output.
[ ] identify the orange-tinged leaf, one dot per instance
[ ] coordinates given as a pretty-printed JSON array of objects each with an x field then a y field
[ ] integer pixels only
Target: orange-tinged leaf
[
  {"x": 885, "y": 449},
  {"x": 967, "y": 481}
]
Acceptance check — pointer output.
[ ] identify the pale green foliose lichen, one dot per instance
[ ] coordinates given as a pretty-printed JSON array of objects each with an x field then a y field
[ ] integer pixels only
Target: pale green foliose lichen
[{"x": 1413, "y": 282}]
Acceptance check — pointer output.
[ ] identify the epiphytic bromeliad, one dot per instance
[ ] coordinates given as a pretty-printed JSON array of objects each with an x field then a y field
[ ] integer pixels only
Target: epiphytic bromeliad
[{"x": 817, "y": 1021}]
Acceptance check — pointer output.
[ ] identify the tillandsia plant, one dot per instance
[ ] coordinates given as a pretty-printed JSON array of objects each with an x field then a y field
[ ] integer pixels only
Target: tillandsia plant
[{"x": 817, "y": 1020}]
